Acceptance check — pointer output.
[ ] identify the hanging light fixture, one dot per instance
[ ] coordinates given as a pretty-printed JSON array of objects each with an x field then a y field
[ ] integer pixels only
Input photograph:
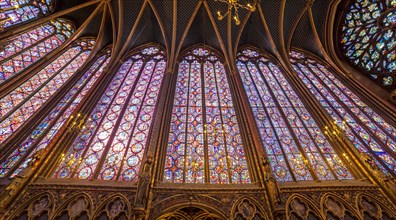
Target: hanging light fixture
[
  {"x": 4, "y": 18},
  {"x": 336, "y": 131},
  {"x": 235, "y": 5},
  {"x": 77, "y": 122}
]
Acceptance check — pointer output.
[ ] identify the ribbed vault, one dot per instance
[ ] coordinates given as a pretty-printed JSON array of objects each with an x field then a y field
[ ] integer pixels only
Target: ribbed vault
[{"x": 275, "y": 26}]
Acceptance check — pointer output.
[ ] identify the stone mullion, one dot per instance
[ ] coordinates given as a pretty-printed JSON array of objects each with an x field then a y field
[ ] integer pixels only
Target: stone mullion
[
  {"x": 155, "y": 128},
  {"x": 154, "y": 140},
  {"x": 368, "y": 130},
  {"x": 252, "y": 135},
  {"x": 322, "y": 118},
  {"x": 49, "y": 109},
  {"x": 385, "y": 148},
  {"x": 186, "y": 129},
  {"x": 29, "y": 47},
  {"x": 251, "y": 153},
  {"x": 118, "y": 120},
  {"x": 27, "y": 73},
  {"x": 270, "y": 120},
  {"x": 16, "y": 29},
  {"x": 86, "y": 106},
  {"x": 303, "y": 124},
  {"x": 39, "y": 88},
  {"x": 90, "y": 107},
  {"x": 385, "y": 110},
  {"x": 387, "y": 114},
  {"x": 26, "y": 126},
  {"x": 222, "y": 123},
  {"x": 135, "y": 123},
  {"x": 205, "y": 134},
  {"x": 40, "y": 166},
  {"x": 341, "y": 147},
  {"x": 248, "y": 128},
  {"x": 163, "y": 132}
]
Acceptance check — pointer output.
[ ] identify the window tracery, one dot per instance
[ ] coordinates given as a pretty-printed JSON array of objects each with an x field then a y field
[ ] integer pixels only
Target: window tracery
[
  {"x": 28, "y": 47},
  {"x": 40, "y": 137},
  {"x": 119, "y": 130},
  {"x": 368, "y": 38},
  {"x": 205, "y": 144},
  {"x": 366, "y": 129},
  {"x": 14, "y": 12},
  {"x": 296, "y": 147},
  {"x": 18, "y": 105}
]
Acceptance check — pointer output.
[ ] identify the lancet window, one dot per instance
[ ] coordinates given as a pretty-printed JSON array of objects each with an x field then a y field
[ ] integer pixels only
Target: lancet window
[
  {"x": 38, "y": 139},
  {"x": 29, "y": 47},
  {"x": 368, "y": 38},
  {"x": 370, "y": 133},
  {"x": 112, "y": 145},
  {"x": 19, "y": 104},
  {"x": 295, "y": 146},
  {"x": 205, "y": 144},
  {"x": 14, "y": 12}
]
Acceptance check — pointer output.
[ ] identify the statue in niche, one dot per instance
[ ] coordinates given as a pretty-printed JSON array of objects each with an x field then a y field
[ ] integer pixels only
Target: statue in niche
[
  {"x": 271, "y": 182},
  {"x": 388, "y": 181},
  {"x": 18, "y": 180},
  {"x": 144, "y": 183}
]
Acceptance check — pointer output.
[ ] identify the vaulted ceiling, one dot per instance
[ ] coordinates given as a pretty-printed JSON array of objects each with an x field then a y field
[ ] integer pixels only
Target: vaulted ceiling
[{"x": 274, "y": 27}]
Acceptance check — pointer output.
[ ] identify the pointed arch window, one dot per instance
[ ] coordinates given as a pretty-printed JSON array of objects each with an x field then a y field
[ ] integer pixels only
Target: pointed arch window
[
  {"x": 28, "y": 47},
  {"x": 368, "y": 39},
  {"x": 205, "y": 144},
  {"x": 296, "y": 147},
  {"x": 14, "y": 12},
  {"x": 39, "y": 138},
  {"x": 114, "y": 141},
  {"x": 366, "y": 129},
  {"x": 19, "y": 104}
]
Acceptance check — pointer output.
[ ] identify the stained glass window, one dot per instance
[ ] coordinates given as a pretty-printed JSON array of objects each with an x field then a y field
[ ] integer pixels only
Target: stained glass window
[
  {"x": 14, "y": 12},
  {"x": 369, "y": 39},
  {"x": 365, "y": 128},
  {"x": 28, "y": 47},
  {"x": 18, "y": 105},
  {"x": 205, "y": 144},
  {"x": 40, "y": 137},
  {"x": 112, "y": 145},
  {"x": 295, "y": 146}
]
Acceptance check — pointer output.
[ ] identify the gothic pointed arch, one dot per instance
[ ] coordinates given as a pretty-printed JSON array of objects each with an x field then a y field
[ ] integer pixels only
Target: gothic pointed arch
[
  {"x": 192, "y": 211},
  {"x": 33, "y": 143},
  {"x": 205, "y": 143},
  {"x": 302, "y": 208},
  {"x": 334, "y": 206},
  {"x": 371, "y": 208},
  {"x": 113, "y": 142},
  {"x": 246, "y": 208},
  {"x": 23, "y": 101},
  {"x": 40, "y": 205},
  {"x": 17, "y": 12},
  {"x": 113, "y": 207},
  {"x": 78, "y": 206},
  {"x": 372, "y": 135},
  {"x": 26, "y": 48},
  {"x": 296, "y": 147}
]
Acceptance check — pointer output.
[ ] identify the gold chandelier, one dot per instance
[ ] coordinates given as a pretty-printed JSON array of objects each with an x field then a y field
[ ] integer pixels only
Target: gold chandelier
[
  {"x": 4, "y": 18},
  {"x": 235, "y": 5}
]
